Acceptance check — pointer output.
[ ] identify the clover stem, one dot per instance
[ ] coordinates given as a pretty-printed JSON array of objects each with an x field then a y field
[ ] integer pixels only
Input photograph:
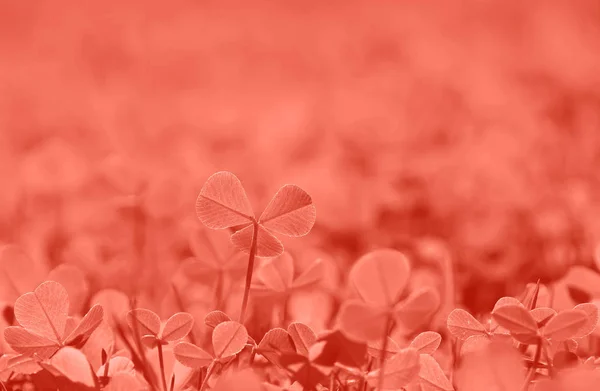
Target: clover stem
[
  {"x": 533, "y": 369},
  {"x": 219, "y": 290},
  {"x": 384, "y": 346},
  {"x": 161, "y": 362},
  {"x": 209, "y": 372},
  {"x": 249, "y": 273}
]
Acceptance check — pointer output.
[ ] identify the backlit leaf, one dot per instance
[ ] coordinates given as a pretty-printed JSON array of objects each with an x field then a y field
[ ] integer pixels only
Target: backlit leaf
[
  {"x": 303, "y": 337},
  {"x": 267, "y": 245},
  {"x": 213, "y": 318},
  {"x": 223, "y": 203},
  {"x": 475, "y": 343},
  {"x": 191, "y": 355},
  {"x": 507, "y": 300},
  {"x": 86, "y": 327},
  {"x": 290, "y": 212},
  {"x": 432, "y": 376},
  {"x": 73, "y": 365},
  {"x": 228, "y": 339},
  {"x": 340, "y": 349},
  {"x": 44, "y": 311},
  {"x": 417, "y": 309},
  {"x": 463, "y": 325},
  {"x": 426, "y": 342},
  {"x": 116, "y": 365},
  {"x": 27, "y": 343},
  {"x": 276, "y": 342},
  {"x": 380, "y": 276},
  {"x": 311, "y": 275},
  {"x": 497, "y": 366},
  {"x": 565, "y": 325},
  {"x": 277, "y": 274},
  {"x": 399, "y": 370},
  {"x": 177, "y": 326},
  {"x": 518, "y": 320},
  {"x": 123, "y": 382},
  {"x": 146, "y": 321},
  {"x": 542, "y": 315},
  {"x": 360, "y": 322},
  {"x": 244, "y": 379},
  {"x": 375, "y": 348},
  {"x": 592, "y": 321}
]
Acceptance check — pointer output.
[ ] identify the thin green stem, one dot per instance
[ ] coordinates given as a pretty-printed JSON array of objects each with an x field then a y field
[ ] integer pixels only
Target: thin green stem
[
  {"x": 161, "y": 362},
  {"x": 533, "y": 369},
  {"x": 384, "y": 346},
  {"x": 249, "y": 272},
  {"x": 209, "y": 372}
]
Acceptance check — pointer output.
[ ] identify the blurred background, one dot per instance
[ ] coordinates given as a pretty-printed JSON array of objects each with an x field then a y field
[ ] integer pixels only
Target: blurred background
[{"x": 474, "y": 125}]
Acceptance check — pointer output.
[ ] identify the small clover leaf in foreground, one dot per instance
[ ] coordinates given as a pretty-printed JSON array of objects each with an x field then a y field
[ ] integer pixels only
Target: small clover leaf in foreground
[
  {"x": 147, "y": 326},
  {"x": 45, "y": 325},
  {"x": 228, "y": 339},
  {"x": 223, "y": 204},
  {"x": 380, "y": 278}
]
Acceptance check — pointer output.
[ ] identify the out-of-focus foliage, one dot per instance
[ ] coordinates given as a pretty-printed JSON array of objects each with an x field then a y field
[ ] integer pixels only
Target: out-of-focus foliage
[{"x": 475, "y": 124}]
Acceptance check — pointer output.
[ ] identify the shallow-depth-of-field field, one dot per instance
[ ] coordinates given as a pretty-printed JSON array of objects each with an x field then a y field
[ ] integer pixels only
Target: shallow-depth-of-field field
[{"x": 259, "y": 195}]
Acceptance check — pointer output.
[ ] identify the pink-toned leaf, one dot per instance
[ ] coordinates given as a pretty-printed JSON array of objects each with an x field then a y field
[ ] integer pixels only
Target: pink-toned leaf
[
  {"x": 72, "y": 364},
  {"x": 71, "y": 325},
  {"x": 542, "y": 315},
  {"x": 426, "y": 342},
  {"x": 592, "y": 312},
  {"x": 177, "y": 327},
  {"x": 463, "y": 325},
  {"x": 507, "y": 300},
  {"x": 360, "y": 322},
  {"x": 565, "y": 325},
  {"x": 103, "y": 338},
  {"x": 223, "y": 203},
  {"x": 495, "y": 367},
  {"x": 146, "y": 321},
  {"x": 150, "y": 341},
  {"x": 214, "y": 318},
  {"x": 44, "y": 311},
  {"x": 79, "y": 336},
  {"x": 380, "y": 276},
  {"x": 311, "y": 275},
  {"x": 74, "y": 282},
  {"x": 417, "y": 309},
  {"x": 518, "y": 320},
  {"x": 399, "y": 370},
  {"x": 28, "y": 343},
  {"x": 228, "y": 339},
  {"x": 303, "y": 337},
  {"x": 123, "y": 382},
  {"x": 275, "y": 343},
  {"x": 191, "y": 355},
  {"x": 277, "y": 274},
  {"x": 244, "y": 379},
  {"x": 475, "y": 343},
  {"x": 267, "y": 245},
  {"x": 117, "y": 365},
  {"x": 375, "y": 348},
  {"x": 432, "y": 376},
  {"x": 11, "y": 364},
  {"x": 290, "y": 212}
]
